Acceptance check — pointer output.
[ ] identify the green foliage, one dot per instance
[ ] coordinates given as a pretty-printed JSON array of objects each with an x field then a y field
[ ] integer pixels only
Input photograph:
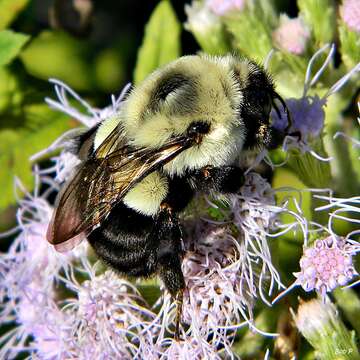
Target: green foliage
[
  {"x": 161, "y": 43},
  {"x": 320, "y": 16},
  {"x": 11, "y": 96},
  {"x": 9, "y": 10},
  {"x": 313, "y": 173},
  {"x": 282, "y": 178},
  {"x": 41, "y": 126},
  {"x": 349, "y": 302},
  {"x": 251, "y": 35},
  {"x": 10, "y": 45},
  {"x": 109, "y": 70},
  {"x": 57, "y": 54},
  {"x": 249, "y": 345},
  {"x": 349, "y": 45}
]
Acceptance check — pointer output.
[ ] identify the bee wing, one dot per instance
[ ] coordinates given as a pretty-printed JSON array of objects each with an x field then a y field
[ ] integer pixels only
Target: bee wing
[{"x": 100, "y": 183}]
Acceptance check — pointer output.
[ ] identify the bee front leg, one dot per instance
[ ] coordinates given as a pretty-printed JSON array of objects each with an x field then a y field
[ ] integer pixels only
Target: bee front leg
[
  {"x": 169, "y": 259},
  {"x": 223, "y": 179}
]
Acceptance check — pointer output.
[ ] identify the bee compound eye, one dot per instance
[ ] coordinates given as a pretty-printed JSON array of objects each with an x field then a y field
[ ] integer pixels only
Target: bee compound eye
[{"x": 198, "y": 128}]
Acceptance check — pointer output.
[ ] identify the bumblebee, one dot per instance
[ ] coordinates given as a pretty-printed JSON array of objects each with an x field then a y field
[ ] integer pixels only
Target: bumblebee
[{"x": 179, "y": 132}]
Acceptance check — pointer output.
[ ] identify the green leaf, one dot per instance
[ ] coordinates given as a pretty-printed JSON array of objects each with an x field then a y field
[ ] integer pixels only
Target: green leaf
[
  {"x": 161, "y": 43},
  {"x": 10, "y": 45},
  {"x": 16, "y": 146},
  {"x": 57, "y": 54},
  {"x": 350, "y": 46},
  {"x": 10, "y": 92},
  {"x": 9, "y": 9},
  {"x": 349, "y": 302},
  {"x": 320, "y": 16},
  {"x": 313, "y": 173},
  {"x": 251, "y": 34},
  {"x": 109, "y": 70}
]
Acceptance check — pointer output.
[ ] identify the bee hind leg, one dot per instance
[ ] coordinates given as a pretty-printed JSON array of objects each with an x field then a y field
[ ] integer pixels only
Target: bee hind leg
[{"x": 169, "y": 261}]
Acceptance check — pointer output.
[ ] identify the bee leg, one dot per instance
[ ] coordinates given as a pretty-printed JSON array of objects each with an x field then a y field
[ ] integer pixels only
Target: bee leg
[
  {"x": 169, "y": 259},
  {"x": 224, "y": 179},
  {"x": 179, "y": 304}
]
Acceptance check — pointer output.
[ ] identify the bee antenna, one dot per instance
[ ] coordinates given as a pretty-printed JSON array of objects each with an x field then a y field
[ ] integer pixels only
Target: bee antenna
[
  {"x": 276, "y": 109},
  {"x": 286, "y": 109}
]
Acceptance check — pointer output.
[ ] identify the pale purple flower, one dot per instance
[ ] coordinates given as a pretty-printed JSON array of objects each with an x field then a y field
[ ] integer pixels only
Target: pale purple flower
[
  {"x": 222, "y": 7},
  {"x": 215, "y": 295},
  {"x": 328, "y": 262},
  {"x": 307, "y": 112},
  {"x": 29, "y": 271},
  {"x": 326, "y": 265},
  {"x": 112, "y": 317},
  {"x": 292, "y": 35},
  {"x": 350, "y": 14},
  {"x": 50, "y": 327},
  {"x": 188, "y": 349}
]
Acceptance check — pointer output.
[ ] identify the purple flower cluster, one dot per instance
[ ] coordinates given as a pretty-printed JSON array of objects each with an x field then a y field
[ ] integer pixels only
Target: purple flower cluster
[
  {"x": 326, "y": 265},
  {"x": 307, "y": 112}
]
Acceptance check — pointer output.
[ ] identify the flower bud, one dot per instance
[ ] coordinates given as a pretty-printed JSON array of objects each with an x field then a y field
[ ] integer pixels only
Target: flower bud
[
  {"x": 319, "y": 323},
  {"x": 206, "y": 27},
  {"x": 292, "y": 35},
  {"x": 350, "y": 14},
  {"x": 222, "y": 7}
]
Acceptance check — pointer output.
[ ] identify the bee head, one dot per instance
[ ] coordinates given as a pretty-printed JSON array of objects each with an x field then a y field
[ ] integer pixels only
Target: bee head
[{"x": 259, "y": 98}]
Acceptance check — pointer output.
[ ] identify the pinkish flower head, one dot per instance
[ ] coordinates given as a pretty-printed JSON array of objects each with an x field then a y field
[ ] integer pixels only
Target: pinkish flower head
[
  {"x": 292, "y": 35},
  {"x": 188, "y": 349},
  {"x": 28, "y": 273},
  {"x": 212, "y": 297},
  {"x": 222, "y": 7},
  {"x": 226, "y": 268},
  {"x": 52, "y": 333},
  {"x": 326, "y": 265},
  {"x": 111, "y": 312},
  {"x": 350, "y": 14}
]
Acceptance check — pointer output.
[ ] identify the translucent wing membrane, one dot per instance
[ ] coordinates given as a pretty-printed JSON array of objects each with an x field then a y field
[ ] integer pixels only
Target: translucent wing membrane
[{"x": 101, "y": 182}]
